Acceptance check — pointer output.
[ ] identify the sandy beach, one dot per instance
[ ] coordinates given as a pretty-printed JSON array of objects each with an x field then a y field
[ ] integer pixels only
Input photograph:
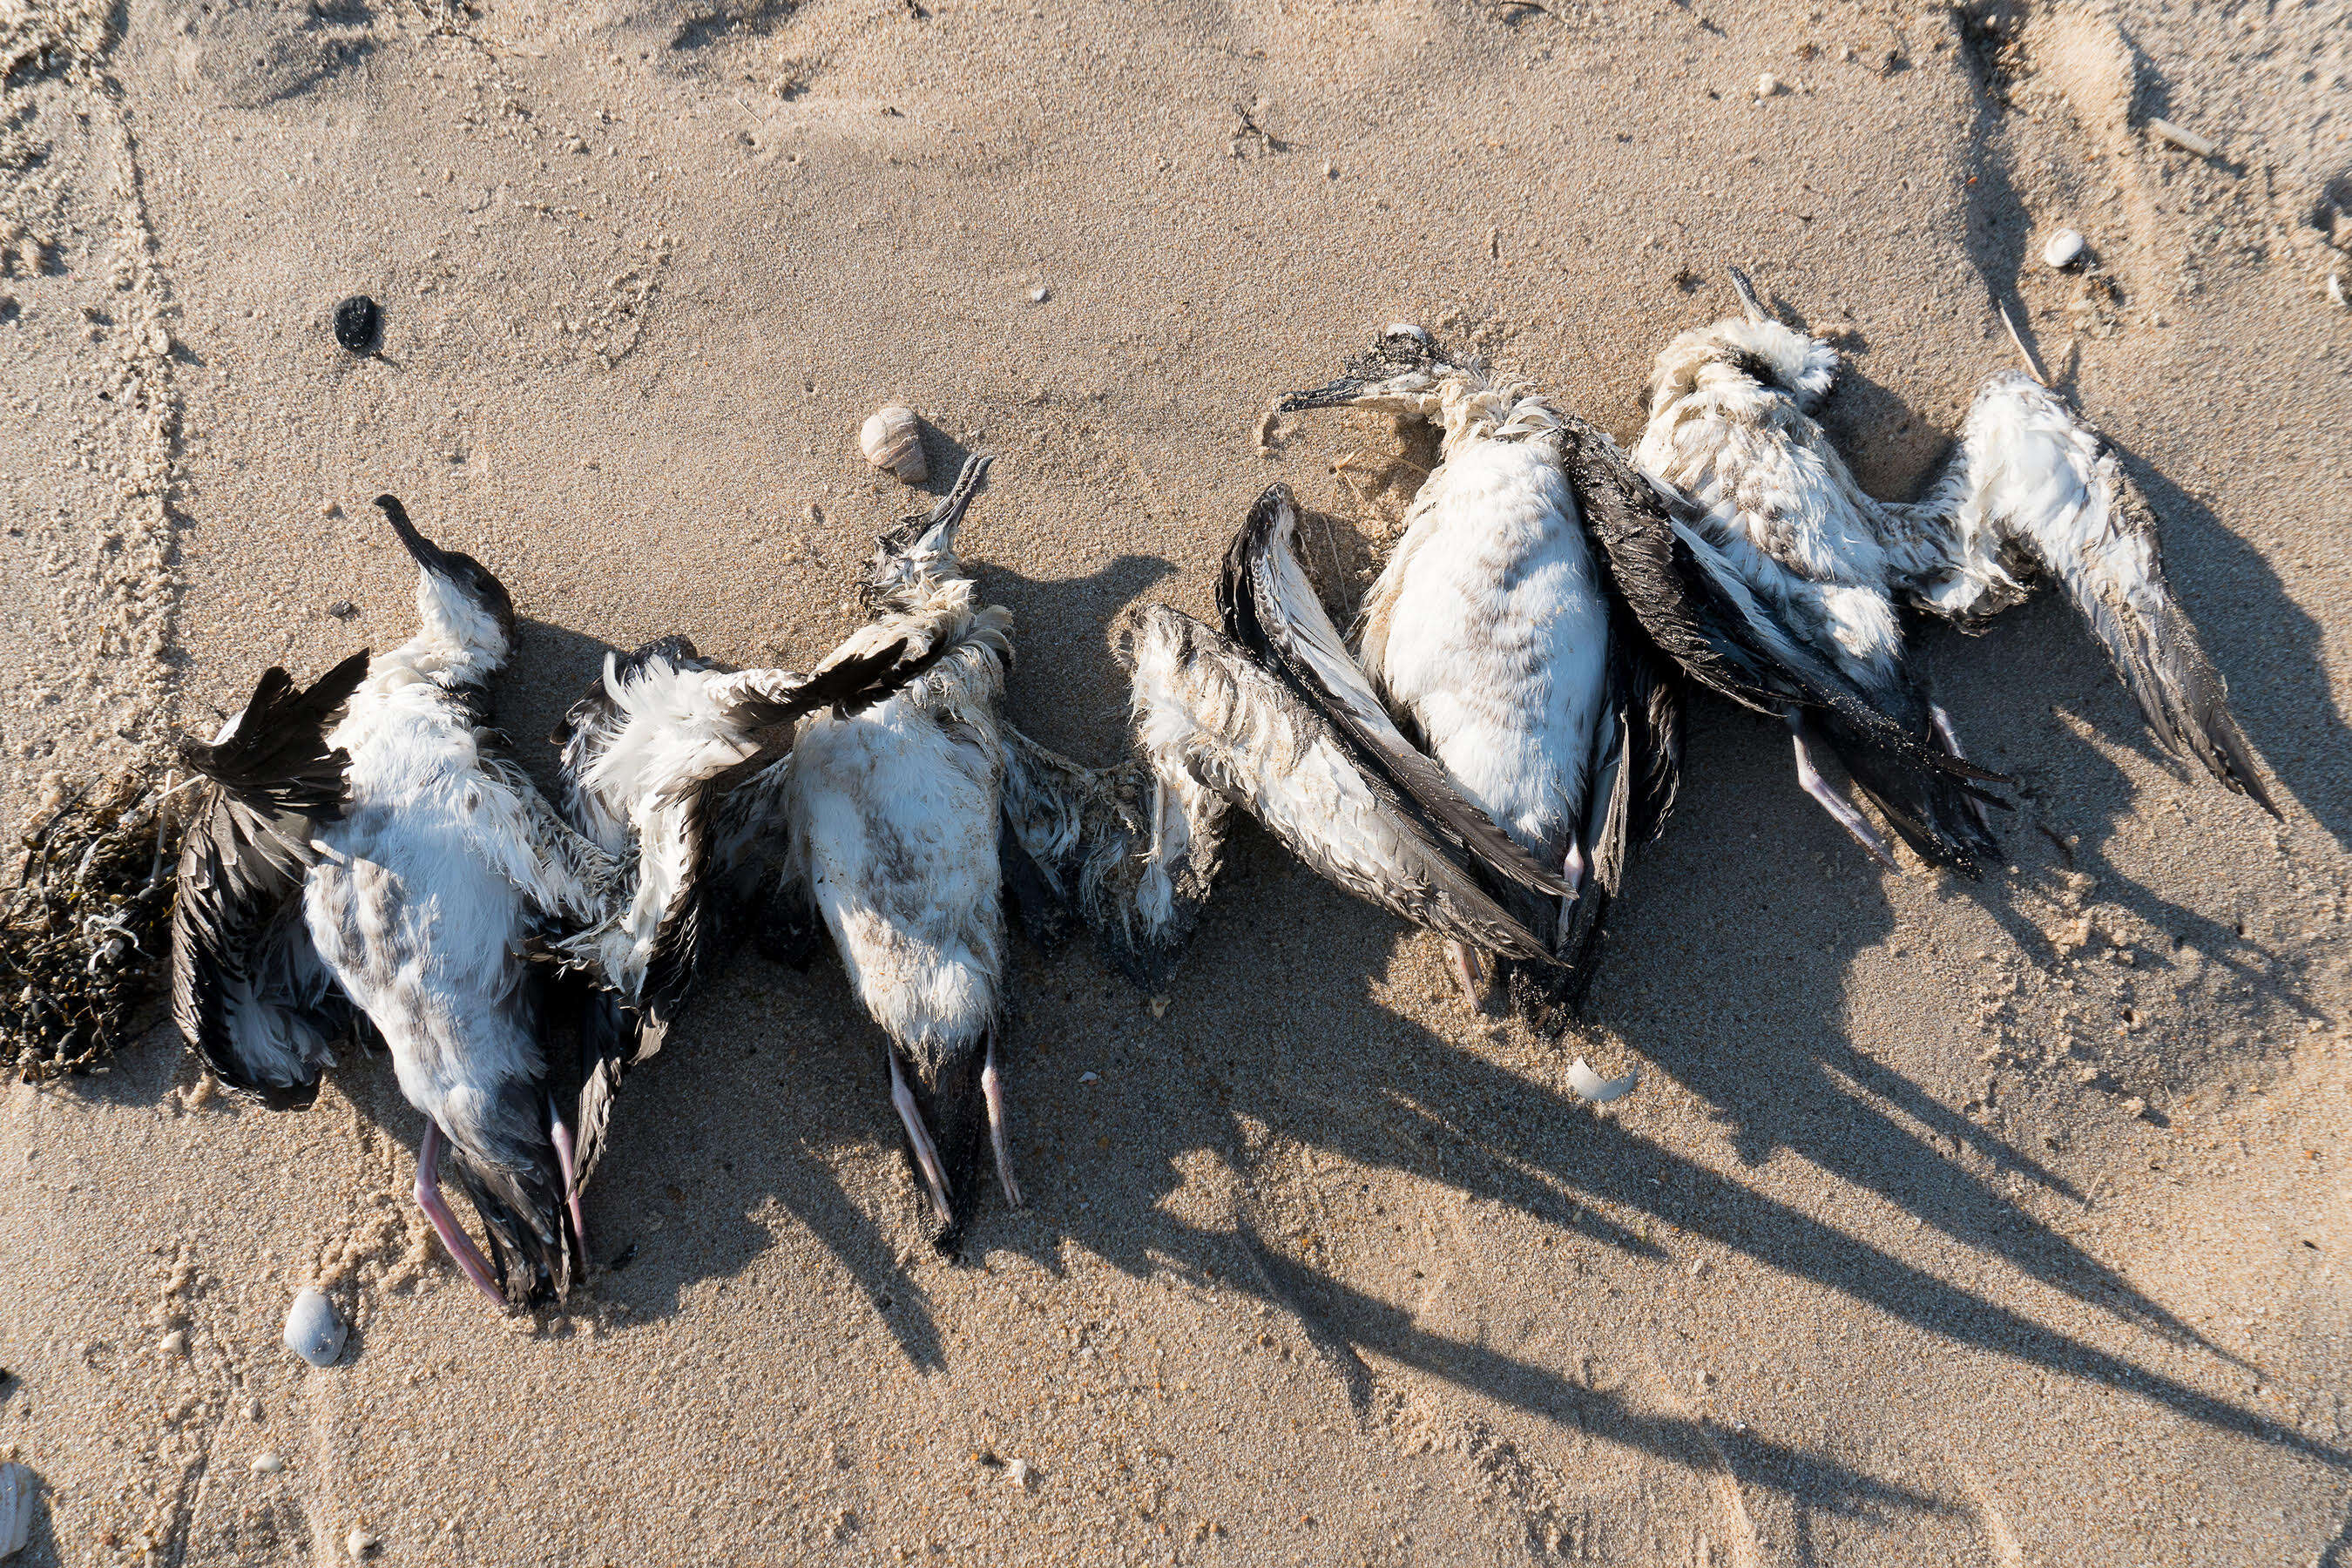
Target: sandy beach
[{"x": 1951, "y": 1223}]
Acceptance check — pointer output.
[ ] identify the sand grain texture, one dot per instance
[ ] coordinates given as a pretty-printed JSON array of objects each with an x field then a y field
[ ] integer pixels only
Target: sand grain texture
[{"x": 1880, "y": 1265}]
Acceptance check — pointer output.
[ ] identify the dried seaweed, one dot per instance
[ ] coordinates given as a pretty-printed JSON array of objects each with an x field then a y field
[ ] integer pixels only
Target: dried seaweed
[{"x": 86, "y": 931}]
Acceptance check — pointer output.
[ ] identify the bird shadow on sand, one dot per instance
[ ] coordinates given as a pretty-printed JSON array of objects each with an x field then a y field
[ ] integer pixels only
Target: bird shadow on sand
[
  {"x": 1380, "y": 1092},
  {"x": 1383, "y": 1095},
  {"x": 700, "y": 1185},
  {"x": 2007, "y": 686}
]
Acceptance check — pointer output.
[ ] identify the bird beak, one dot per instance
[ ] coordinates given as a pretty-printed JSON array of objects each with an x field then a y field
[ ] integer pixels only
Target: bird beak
[
  {"x": 1749, "y": 302},
  {"x": 939, "y": 529},
  {"x": 1339, "y": 394},
  {"x": 428, "y": 556}
]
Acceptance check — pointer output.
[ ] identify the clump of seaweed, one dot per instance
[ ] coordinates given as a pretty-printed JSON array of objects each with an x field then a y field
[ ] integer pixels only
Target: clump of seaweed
[{"x": 86, "y": 929}]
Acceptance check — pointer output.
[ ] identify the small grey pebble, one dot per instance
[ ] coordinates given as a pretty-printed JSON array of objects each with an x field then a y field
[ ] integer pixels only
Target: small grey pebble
[{"x": 342, "y": 609}]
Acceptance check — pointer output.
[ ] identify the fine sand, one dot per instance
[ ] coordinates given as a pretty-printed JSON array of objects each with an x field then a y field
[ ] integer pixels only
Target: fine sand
[{"x": 1950, "y": 1224}]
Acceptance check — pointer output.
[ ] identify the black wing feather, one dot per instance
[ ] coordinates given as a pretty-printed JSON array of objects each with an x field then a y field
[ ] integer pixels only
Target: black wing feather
[
  {"x": 1690, "y": 617},
  {"x": 1287, "y": 630},
  {"x": 271, "y": 782}
]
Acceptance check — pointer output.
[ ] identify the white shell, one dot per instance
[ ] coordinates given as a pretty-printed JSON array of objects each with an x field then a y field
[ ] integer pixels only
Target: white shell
[
  {"x": 359, "y": 1544},
  {"x": 2066, "y": 249},
  {"x": 2336, "y": 288},
  {"x": 1018, "y": 1473},
  {"x": 1596, "y": 1089},
  {"x": 314, "y": 1330},
  {"x": 175, "y": 1343},
  {"x": 893, "y": 439},
  {"x": 1405, "y": 330},
  {"x": 2187, "y": 140},
  {"x": 1767, "y": 85},
  {"x": 17, "y": 1487},
  {"x": 267, "y": 1465}
]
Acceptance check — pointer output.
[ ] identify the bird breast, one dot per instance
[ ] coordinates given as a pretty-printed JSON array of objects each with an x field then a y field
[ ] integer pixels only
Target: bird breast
[
  {"x": 1490, "y": 629},
  {"x": 895, "y": 814},
  {"x": 1790, "y": 519},
  {"x": 422, "y": 935}
]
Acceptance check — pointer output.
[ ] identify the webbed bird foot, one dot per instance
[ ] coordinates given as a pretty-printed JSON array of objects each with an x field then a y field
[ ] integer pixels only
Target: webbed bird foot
[
  {"x": 461, "y": 1248},
  {"x": 927, "y": 1154},
  {"x": 1468, "y": 973},
  {"x": 992, "y": 1088},
  {"x": 559, "y": 1129},
  {"x": 1844, "y": 813}
]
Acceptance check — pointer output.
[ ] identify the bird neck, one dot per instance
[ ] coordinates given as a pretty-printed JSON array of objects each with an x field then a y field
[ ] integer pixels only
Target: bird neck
[{"x": 1475, "y": 408}]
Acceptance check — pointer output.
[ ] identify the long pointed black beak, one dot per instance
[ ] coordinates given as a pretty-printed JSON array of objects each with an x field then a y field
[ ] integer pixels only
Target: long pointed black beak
[
  {"x": 1331, "y": 395},
  {"x": 1749, "y": 302},
  {"x": 428, "y": 556}
]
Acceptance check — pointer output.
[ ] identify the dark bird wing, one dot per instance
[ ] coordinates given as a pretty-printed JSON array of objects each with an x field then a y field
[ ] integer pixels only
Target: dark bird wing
[
  {"x": 2035, "y": 487},
  {"x": 1701, "y": 617},
  {"x": 1941, "y": 816},
  {"x": 1271, "y": 609},
  {"x": 248, "y": 992},
  {"x": 1213, "y": 723}
]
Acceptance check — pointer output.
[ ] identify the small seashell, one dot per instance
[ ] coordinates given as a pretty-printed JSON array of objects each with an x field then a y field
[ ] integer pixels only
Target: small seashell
[
  {"x": 1090, "y": 1077},
  {"x": 359, "y": 1544},
  {"x": 1018, "y": 1473},
  {"x": 893, "y": 439},
  {"x": 17, "y": 1487},
  {"x": 1598, "y": 1089},
  {"x": 1159, "y": 1006},
  {"x": 2066, "y": 249},
  {"x": 1040, "y": 294},
  {"x": 2336, "y": 289},
  {"x": 358, "y": 324},
  {"x": 1405, "y": 330},
  {"x": 175, "y": 1343},
  {"x": 314, "y": 1330},
  {"x": 2187, "y": 140},
  {"x": 1768, "y": 85},
  {"x": 267, "y": 1464}
]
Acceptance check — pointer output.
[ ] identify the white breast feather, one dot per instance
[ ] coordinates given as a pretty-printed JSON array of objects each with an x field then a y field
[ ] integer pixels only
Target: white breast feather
[
  {"x": 893, "y": 814},
  {"x": 1785, "y": 514},
  {"x": 1488, "y": 626}
]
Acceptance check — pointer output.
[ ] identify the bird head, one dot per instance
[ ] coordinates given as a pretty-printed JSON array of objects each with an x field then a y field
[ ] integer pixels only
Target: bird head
[
  {"x": 921, "y": 552},
  {"x": 1402, "y": 374},
  {"x": 458, "y": 599},
  {"x": 1751, "y": 358}
]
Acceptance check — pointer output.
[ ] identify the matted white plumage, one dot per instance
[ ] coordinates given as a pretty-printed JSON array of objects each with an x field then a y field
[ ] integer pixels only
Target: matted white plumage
[
  {"x": 428, "y": 863},
  {"x": 891, "y": 822},
  {"x": 2031, "y": 488},
  {"x": 1526, "y": 630},
  {"x": 670, "y": 763}
]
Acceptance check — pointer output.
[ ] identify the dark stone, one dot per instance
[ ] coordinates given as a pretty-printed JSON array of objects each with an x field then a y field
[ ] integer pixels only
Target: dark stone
[
  {"x": 358, "y": 324},
  {"x": 342, "y": 609}
]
